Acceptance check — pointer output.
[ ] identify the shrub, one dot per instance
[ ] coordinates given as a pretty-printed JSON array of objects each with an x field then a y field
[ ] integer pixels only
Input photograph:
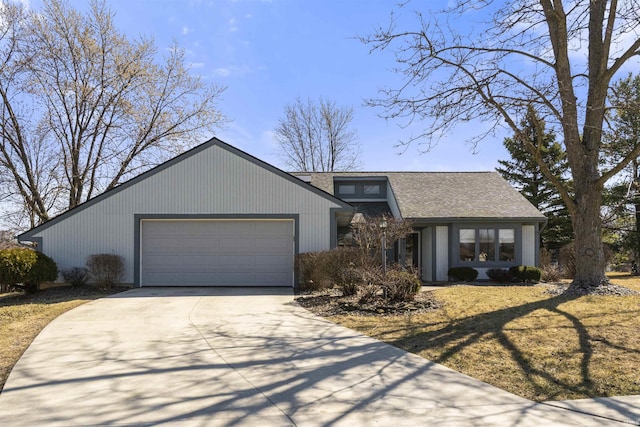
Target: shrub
[
  {"x": 15, "y": 265},
  {"x": 545, "y": 257},
  {"x": 500, "y": 275},
  {"x": 106, "y": 270},
  {"x": 368, "y": 292},
  {"x": 44, "y": 270},
  {"x": 76, "y": 276},
  {"x": 26, "y": 269},
  {"x": 567, "y": 258},
  {"x": 465, "y": 274},
  {"x": 321, "y": 270},
  {"x": 349, "y": 280},
  {"x": 552, "y": 273},
  {"x": 524, "y": 273},
  {"x": 400, "y": 285},
  {"x": 311, "y": 275}
]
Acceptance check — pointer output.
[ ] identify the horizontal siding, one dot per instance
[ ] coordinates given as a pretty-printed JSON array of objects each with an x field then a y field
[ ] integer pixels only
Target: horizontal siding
[{"x": 213, "y": 181}]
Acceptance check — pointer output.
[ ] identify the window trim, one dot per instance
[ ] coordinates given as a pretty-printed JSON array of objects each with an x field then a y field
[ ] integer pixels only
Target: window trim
[
  {"x": 359, "y": 186},
  {"x": 345, "y": 185},
  {"x": 455, "y": 240},
  {"x": 367, "y": 189}
]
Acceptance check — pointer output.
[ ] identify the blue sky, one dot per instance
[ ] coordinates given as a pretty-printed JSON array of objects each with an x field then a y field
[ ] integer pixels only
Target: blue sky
[{"x": 268, "y": 53}]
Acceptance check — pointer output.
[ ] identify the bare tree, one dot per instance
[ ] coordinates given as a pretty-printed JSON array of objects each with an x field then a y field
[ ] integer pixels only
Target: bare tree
[
  {"x": 367, "y": 232},
  {"x": 84, "y": 108},
  {"x": 555, "y": 57},
  {"x": 315, "y": 137}
]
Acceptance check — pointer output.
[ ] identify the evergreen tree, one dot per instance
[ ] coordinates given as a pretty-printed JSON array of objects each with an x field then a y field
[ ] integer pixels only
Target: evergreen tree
[
  {"x": 622, "y": 200},
  {"x": 523, "y": 172}
]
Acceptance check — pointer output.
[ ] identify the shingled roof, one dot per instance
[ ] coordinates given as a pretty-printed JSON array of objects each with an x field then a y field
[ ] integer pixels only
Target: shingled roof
[{"x": 445, "y": 195}]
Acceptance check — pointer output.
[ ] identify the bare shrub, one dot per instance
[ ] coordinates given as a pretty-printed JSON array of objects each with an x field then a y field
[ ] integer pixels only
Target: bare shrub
[
  {"x": 367, "y": 234},
  {"x": 399, "y": 285},
  {"x": 567, "y": 259},
  {"x": 106, "y": 270},
  {"x": 368, "y": 292},
  {"x": 349, "y": 280},
  {"x": 76, "y": 276},
  {"x": 552, "y": 273},
  {"x": 371, "y": 283},
  {"x": 311, "y": 273},
  {"x": 545, "y": 257},
  {"x": 321, "y": 270}
]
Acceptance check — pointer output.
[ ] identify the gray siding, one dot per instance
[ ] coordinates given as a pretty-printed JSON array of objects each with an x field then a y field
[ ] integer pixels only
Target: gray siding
[
  {"x": 392, "y": 202},
  {"x": 215, "y": 181},
  {"x": 442, "y": 253},
  {"x": 427, "y": 254},
  {"x": 528, "y": 245}
]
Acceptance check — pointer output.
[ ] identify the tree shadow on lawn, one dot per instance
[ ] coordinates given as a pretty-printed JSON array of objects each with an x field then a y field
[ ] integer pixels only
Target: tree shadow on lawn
[{"x": 458, "y": 334}]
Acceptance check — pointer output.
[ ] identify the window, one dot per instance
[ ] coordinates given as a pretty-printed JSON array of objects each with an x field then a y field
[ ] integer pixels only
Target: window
[
  {"x": 467, "y": 244},
  {"x": 507, "y": 239},
  {"x": 487, "y": 244},
  {"x": 347, "y": 189},
  {"x": 360, "y": 189},
  {"x": 372, "y": 190}
]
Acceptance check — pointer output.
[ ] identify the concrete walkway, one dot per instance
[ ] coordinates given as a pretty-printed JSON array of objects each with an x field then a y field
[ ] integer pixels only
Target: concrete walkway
[{"x": 243, "y": 357}]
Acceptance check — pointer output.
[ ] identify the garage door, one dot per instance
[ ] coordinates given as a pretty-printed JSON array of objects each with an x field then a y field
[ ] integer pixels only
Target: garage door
[{"x": 217, "y": 253}]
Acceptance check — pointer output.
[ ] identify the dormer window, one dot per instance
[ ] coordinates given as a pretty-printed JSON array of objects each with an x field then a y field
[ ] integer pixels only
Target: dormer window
[
  {"x": 354, "y": 189},
  {"x": 371, "y": 189},
  {"x": 346, "y": 189}
]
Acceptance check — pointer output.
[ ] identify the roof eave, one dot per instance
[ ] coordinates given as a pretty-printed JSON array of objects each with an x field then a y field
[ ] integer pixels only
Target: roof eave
[{"x": 447, "y": 220}]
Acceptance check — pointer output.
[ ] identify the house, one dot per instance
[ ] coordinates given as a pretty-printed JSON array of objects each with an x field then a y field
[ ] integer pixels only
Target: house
[
  {"x": 473, "y": 219},
  {"x": 216, "y": 215}
]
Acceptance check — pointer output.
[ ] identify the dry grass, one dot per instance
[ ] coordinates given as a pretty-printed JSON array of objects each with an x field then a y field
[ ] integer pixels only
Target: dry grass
[
  {"x": 533, "y": 344},
  {"x": 22, "y": 317}
]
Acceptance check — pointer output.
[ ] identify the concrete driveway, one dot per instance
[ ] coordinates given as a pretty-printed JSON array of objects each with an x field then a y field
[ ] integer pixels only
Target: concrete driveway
[{"x": 231, "y": 357}]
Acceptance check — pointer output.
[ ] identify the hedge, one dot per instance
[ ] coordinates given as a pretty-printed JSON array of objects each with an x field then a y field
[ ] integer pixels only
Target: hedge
[{"x": 466, "y": 274}]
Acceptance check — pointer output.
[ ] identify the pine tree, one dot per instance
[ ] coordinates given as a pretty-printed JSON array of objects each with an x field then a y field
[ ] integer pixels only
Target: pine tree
[
  {"x": 523, "y": 172},
  {"x": 622, "y": 200}
]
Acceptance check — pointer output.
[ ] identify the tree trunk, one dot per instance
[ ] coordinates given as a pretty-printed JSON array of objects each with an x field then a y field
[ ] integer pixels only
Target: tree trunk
[{"x": 589, "y": 249}]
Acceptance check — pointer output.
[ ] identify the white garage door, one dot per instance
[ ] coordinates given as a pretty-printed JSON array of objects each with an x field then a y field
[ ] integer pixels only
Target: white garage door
[{"x": 217, "y": 253}]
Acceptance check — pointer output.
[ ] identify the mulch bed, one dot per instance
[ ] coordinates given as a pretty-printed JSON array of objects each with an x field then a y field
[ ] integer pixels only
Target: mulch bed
[
  {"x": 57, "y": 294},
  {"x": 575, "y": 290},
  {"x": 332, "y": 303}
]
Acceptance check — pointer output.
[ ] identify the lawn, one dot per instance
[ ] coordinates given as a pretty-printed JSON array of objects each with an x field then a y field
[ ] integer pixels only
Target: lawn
[
  {"x": 521, "y": 339},
  {"x": 22, "y": 317}
]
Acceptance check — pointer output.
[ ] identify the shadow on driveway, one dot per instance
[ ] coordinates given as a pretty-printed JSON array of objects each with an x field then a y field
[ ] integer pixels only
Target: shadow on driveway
[{"x": 229, "y": 356}]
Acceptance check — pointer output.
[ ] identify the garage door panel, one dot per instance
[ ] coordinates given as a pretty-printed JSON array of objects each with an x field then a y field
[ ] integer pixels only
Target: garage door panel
[
  {"x": 217, "y": 253},
  {"x": 210, "y": 246},
  {"x": 276, "y": 245},
  {"x": 234, "y": 244},
  {"x": 271, "y": 261}
]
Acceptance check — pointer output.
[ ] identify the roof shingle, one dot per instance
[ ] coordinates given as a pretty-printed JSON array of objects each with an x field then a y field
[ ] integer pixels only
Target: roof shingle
[{"x": 446, "y": 195}]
